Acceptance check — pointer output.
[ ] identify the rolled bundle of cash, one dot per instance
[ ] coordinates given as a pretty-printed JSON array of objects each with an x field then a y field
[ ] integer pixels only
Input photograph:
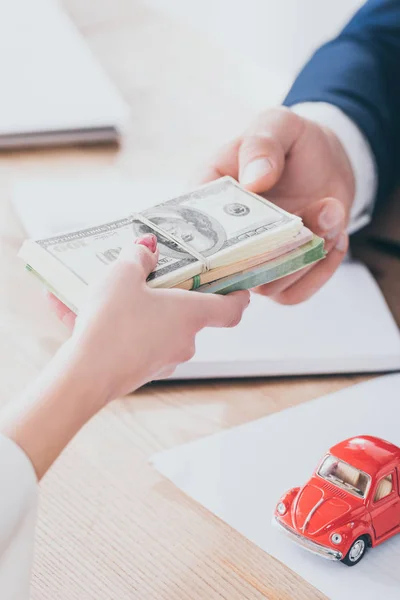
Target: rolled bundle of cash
[{"x": 217, "y": 239}]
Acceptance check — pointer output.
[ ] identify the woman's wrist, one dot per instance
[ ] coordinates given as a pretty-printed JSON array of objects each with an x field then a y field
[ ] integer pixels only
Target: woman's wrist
[
  {"x": 99, "y": 379},
  {"x": 83, "y": 377},
  {"x": 54, "y": 409}
]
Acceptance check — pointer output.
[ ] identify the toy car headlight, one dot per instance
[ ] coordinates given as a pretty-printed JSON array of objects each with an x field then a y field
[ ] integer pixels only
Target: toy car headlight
[
  {"x": 281, "y": 508},
  {"x": 336, "y": 538}
]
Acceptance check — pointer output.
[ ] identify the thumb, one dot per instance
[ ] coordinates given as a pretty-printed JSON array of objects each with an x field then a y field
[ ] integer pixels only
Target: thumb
[
  {"x": 263, "y": 149},
  {"x": 142, "y": 252},
  {"x": 261, "y": 162}
]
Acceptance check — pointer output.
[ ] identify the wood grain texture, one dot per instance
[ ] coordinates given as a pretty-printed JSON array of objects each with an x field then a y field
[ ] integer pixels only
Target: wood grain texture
[{"x": 110, "y": 528}]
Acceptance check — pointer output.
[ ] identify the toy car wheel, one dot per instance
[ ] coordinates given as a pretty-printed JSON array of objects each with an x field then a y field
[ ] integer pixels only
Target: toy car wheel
[{"x": 356, "y": 552}]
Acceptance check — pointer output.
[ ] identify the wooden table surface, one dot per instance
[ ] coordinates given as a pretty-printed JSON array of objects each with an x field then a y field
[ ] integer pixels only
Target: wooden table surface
[{"x": 110, "y": 527}]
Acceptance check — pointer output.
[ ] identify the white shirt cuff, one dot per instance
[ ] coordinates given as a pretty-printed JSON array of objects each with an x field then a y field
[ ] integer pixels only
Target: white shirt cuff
[
  {"x": 358, "y": 151},
  {"x": 18, "y": 507}
]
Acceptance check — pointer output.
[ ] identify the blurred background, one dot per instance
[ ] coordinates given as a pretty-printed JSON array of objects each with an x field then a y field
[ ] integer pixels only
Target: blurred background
[
  {"x": 196, "y": 72},
  {"x": 191, "y": 73},
  {"x": 270, "y": 33}
]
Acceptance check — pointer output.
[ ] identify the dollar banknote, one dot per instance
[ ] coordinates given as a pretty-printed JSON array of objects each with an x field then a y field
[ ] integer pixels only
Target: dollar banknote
[
  {"x": 218, "y": 217},
  {"x": 87, "y": 252},
  {"x": 215, "y": 231}
]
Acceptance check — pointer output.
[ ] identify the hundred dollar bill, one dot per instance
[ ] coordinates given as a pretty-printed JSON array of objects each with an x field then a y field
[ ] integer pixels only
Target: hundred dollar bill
[
  {"x": 218, "y": 222},
  {"x": 207, "y": 231}
]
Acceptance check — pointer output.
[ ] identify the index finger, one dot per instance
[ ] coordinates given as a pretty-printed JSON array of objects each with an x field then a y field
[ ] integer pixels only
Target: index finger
[
  {"x": 225, "y": 162},
  {"x": 214, "y": 310}
]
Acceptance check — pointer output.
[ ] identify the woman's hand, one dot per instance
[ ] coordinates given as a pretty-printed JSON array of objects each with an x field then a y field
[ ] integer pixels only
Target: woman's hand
[
  {"x": 129, "y": 334},
  {"x": 126, "y": 335}
]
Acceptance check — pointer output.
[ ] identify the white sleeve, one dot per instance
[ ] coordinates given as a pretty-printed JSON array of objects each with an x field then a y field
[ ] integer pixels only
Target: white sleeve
[
  {"x": 18, "y": 507},
  {"x": 358, "y": 151}
]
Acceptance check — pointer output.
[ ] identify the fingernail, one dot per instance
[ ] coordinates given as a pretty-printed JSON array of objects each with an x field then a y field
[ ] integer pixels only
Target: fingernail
[
  {"x": 331, "y": 216},
  {"x": 341, "y": 242},
  {"x": 149, "y": 240},
  {"x": 255, "y": 170}
]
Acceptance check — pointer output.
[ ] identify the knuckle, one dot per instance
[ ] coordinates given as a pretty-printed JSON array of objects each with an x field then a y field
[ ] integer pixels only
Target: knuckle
[
  {"x": 121, "y": 276},
  {"x": 165, "y": 372},
  {"x": 235, "y": 320},
  {"x": 143, "y": 254},
  {"x": 226, "y": 148},
  {"x": 292, "y": 297},
  {"x": 262, "y": 290},
  {"x": 170, "y": 371},
  {"x": 259, "y": 144},
  {"x": 256, "y": 140},
  {"x": 191, "y": 351},
  {"x": 124, "y": 268},
  {"x": 188, "y": 352},
  {"x": 275, "y": 114}
]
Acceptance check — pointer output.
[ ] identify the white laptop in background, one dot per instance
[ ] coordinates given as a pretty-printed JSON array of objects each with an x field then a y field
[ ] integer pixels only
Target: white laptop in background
[
  {"x": 346, "y": 327},
  {"x": 53, "y": 91}
]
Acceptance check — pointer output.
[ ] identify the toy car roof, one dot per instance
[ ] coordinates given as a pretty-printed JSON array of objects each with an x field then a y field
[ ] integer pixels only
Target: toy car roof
[{"x": 367, "y": 453}]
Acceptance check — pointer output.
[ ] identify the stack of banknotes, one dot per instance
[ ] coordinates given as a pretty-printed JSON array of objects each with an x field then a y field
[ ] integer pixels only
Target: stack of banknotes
[{"x": 217, "y": 239}]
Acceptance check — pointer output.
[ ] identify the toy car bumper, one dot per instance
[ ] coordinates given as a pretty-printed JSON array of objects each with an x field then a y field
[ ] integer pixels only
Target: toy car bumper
[{"x": 323, "y": 551}]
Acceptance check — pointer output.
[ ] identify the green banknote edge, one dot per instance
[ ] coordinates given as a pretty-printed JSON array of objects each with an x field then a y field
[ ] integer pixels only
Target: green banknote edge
[{"x": 282, "y": 266}]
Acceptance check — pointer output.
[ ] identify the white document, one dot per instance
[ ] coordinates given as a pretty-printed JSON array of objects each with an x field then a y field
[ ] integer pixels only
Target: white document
[
  {"x": 53, "y": 90},
  {"x": 345, "y": 327},
  {"x": 240, "y": 474}
]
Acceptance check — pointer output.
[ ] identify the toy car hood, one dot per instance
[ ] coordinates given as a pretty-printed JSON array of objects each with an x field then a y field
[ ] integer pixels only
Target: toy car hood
[{"x": 319, "y": 507}]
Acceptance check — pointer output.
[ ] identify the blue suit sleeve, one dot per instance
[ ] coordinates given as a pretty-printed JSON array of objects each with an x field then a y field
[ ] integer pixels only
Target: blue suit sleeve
[{"x": 359, "y": 72}]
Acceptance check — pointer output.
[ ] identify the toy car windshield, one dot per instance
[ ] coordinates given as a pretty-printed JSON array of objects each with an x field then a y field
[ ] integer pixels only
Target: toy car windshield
[{"x": 344, "y": 476}]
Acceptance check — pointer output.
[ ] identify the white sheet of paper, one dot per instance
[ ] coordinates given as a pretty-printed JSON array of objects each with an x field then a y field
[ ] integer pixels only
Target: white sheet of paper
[
  {"x": 50, "y": 79},
  {"x": 345, "y": 327},
  {"x": 240, "y": 474}
]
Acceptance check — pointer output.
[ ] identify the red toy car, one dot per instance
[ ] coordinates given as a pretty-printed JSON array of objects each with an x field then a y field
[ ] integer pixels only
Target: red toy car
[{"x": 351, "y": 502}]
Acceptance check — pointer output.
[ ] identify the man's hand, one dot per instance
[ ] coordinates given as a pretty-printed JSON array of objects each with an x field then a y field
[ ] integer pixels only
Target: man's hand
[{"x": 303, "y": 168}]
